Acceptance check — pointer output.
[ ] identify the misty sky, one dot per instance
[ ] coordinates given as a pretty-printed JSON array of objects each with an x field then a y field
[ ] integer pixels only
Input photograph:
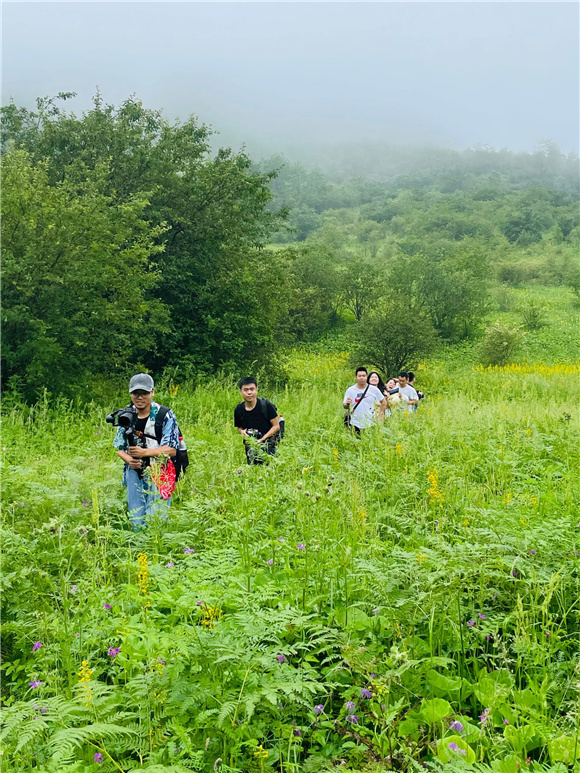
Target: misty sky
[{"x": 273, "y": 74}]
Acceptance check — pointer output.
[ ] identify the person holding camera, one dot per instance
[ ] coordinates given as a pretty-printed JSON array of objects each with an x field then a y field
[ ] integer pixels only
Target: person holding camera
[
  {"x": 136, "y": 443},
  {"x": 256, "y": 419}
]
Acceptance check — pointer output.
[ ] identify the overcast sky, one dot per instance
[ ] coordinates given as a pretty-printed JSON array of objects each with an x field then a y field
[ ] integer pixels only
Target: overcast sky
[{"x": 271, "y": 74}]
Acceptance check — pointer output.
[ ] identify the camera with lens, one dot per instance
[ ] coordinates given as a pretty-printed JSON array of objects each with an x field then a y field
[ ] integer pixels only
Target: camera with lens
[
  {"x": 126, "y": 418},
  {"x": 255, "y": 433}
]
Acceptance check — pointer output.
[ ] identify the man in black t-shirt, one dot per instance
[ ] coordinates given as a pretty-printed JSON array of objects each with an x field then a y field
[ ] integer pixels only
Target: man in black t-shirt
[{"x": 256, "y": 418}]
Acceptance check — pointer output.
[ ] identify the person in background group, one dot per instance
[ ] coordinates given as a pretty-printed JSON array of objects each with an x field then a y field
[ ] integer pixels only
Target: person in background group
[
  {"x": 407, "y": 393},
  {"x": 391, "y": 385},
  {"x": 143, "y": 496},
  {"x": 255, "y": 417},
  {"x": 362, "y": 396},
  {"x": 420, "y": 394},
  {"x": 374, "y": 379}
]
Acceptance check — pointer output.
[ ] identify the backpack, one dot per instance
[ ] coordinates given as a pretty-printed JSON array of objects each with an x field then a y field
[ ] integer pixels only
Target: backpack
[
  {"x": 280, "y": 434},
  {"x": 181, "y": 458}
]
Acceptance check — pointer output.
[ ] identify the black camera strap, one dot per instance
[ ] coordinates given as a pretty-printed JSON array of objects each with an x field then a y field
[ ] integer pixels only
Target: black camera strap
[{"x": 356, "y": 405}]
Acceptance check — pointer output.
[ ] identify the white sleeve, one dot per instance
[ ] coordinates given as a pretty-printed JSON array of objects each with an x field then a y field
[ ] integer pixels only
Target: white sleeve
[{"x": 414, "y": 396}]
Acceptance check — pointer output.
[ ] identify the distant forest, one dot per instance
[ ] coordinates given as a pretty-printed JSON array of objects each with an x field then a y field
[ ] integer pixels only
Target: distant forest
[{"x": 129, "y": 243}]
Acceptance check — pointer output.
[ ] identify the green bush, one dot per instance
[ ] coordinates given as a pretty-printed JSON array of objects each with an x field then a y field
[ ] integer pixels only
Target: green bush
[
  {"x": 499, "y": 344},
  {"x": 533, "y": 316},
  {"x": 390, "y": 340}
]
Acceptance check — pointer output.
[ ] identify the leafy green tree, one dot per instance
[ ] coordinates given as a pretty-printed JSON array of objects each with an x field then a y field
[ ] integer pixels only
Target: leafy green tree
[
  {"x": 213, "y": 209},
  {"x": 361, "y": 282},
  {"x": 77, "y": 276},
  {"x": 391, "y": 339},
  {"x": 449, "y": 284},
  {"x": 314, "y": 287}
]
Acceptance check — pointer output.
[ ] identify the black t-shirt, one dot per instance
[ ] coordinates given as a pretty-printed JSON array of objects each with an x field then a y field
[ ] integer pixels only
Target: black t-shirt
[
  {"x": 256, "y": 418},
  {"x": 140, "y": 424}
]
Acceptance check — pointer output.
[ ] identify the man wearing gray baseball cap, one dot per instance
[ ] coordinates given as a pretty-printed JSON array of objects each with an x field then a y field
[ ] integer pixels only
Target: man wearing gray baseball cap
[{"x": 144, "y": 498}]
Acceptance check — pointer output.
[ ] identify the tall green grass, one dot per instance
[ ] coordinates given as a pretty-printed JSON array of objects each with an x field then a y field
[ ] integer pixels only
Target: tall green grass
[{"x": 433, "y": 563}]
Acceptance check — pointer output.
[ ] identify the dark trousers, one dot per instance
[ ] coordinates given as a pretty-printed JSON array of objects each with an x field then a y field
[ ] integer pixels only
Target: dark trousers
[{"x": 258, "y": 455}]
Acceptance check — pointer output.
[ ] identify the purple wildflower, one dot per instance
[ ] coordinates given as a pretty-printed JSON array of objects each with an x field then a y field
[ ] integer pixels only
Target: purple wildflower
[
  {"x": 505, "y": 722},
  {"x": 74, "y": 588},
  {"x": 297, "y": 732},
  {"x": 481, "y": 617},
  {"x": 98, "y": 757},
  {"x": 301, "y": 546},
  {"x": 270, "y": 560},
  {"x": 35, "y": 684},
  {"x": 483, "y": 718},
  {"x": 107, "y": 606},
  {"x": 376, "y": 611},
  {"x": 454, "y": 748},
  {"x": 488, "y": 637},
  {"x": 373, "y": 676},
  {"x": 547, "y": 633},
  {"x": 281, "y": 539},
  {"x": 471, "y": 622},
  {"x": 514, "y": 572},
  {"x": 36, "y": 646},
  {"x": 187, "y": 551},
  {"x": 160, "y": 660},
  {"x": 532, "y": 552},
  {"x": 43, "y": 709},
  {"x": 85, "y": 504},
  {"x": 456, "y": 725},
  {"x": 281, "y": 658},
  {"x": 352, "y": 718},
  {"x": 114, "y": 651},
  {"x": 350, "y": 706},
  {"x": 364, "y": 693},
  {"x": 170, "y": 564},
  {"x": 318, "y": 709}
]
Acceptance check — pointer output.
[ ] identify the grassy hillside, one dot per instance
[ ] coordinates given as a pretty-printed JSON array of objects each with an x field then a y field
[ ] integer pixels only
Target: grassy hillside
[{"x": 410, "y": 597}]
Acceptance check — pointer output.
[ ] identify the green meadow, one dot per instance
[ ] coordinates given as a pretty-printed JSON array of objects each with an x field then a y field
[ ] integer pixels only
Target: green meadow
[{"x": 403, "y": 601}]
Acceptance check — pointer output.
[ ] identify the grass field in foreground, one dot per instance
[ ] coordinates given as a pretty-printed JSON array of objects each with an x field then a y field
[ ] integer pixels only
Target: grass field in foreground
[{"x": 410, "y": 597}]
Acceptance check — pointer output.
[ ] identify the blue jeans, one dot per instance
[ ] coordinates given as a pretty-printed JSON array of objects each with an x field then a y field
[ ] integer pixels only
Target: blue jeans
[{"x": 144, "y": 499}]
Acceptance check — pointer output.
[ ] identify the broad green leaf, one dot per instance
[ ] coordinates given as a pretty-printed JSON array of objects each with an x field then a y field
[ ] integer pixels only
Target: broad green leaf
[
  {"x": 435, "y": 710},
  {"x": 565, "y": 748},
  {"x": 463, "y": 751}
]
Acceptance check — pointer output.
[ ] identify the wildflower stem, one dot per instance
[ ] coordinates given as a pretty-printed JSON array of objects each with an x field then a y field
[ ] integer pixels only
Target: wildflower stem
[{"x": 240, "y": 697}]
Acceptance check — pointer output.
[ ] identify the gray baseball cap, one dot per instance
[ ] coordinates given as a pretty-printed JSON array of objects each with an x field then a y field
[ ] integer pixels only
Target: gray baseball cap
[{"x": 141, "y": 381}]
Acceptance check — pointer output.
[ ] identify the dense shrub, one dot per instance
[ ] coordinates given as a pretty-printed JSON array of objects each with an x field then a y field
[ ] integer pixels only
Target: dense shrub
[
  {"x": 533, "y": 315},
  {"x": 390, "y": 340},
  {"x": 499, "y": 344}
]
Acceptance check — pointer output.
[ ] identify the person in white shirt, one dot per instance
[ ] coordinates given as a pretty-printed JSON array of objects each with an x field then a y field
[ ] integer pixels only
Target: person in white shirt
[
  {"x": 406, "y": 392},
  {"x": 362, "y": 396}
]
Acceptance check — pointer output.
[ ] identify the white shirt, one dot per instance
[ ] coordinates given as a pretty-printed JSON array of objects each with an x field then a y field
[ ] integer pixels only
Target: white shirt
[
  {"x": 364, "y": 414},
  {"x": 409, "y": 392}
]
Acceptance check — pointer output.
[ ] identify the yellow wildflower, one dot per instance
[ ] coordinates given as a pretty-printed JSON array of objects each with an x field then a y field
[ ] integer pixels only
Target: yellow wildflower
[
  {"x": 261, "y": 753},
  {"x": 143, "y": 573},
  {"x": 210, "y": 616},
  {"x": 434, "y": 494},
  {"x": 85, "y": 679}
]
